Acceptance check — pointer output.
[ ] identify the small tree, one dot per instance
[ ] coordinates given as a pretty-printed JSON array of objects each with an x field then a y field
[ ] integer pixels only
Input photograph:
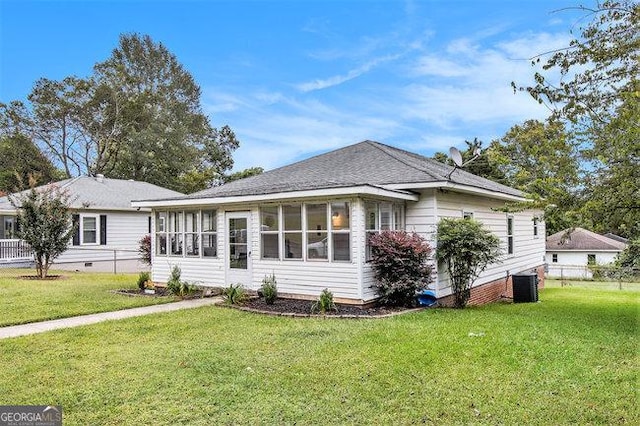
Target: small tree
[
  {"x": 45, "y": 223},
  {"x": 144, "y": 249},
  {"x": 399, "y": 261},
  {"x": 467, "y": 249}
]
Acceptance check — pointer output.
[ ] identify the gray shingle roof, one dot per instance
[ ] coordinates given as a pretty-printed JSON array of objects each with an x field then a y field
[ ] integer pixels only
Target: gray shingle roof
[
  {"x": 105, "y": 194},
  {"x": 364, "y": 163},
  {"x": 582, "y": 239}
]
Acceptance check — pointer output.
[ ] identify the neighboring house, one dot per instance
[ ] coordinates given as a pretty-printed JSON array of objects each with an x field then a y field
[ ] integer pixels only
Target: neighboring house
[
  {"x": 570, "y": 253},
  {"x": 308, "y": 224},
  {"x": 108, "y": 228}
]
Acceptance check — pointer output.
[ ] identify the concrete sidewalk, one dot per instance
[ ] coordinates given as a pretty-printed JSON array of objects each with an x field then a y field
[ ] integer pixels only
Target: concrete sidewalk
[{"x": 41, "y": 327}]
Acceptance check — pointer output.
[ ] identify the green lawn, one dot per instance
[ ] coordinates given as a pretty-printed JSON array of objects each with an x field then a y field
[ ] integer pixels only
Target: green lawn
[
  {"x": 572, "y": 358},
  {"x": 601, "y": 285},
  {"x": 77, "y": 293}
]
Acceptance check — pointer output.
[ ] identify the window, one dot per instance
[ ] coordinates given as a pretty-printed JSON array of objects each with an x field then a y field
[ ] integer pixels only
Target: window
[
  {"x": 591, "y": 259},
  {"x": 554, "y": 257},
  {"x": 535, "y": 227},
  {"x": 340, "y": 231},
  {"x": 317, "y": 232},
  {"x": 467, "y": 215},
  {"x": 89, "y": 230},
  {"x": 382, "y": 217},
  {"x": 9, "y": 227},
  {"x": 292, "y": 235},
  {"x": 209, "y": 234},
  {"x": 509, "y": 234},
  {"x": 192, "y": 236},
  {"x": 313, "y": 231},
  {"x": 186, "y": 233},
  {"x": 161, "y": 233},
  {"x": 269, "y": 232},
  {"x": 398, "y": 217},
  {"x": 176, "y": 238}
]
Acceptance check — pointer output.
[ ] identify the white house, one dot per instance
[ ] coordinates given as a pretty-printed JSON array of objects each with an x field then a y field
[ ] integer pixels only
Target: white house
[
  {"x": 108, "y": 231},
  {"x": 308, "y": 223},
  {"x": 569, "y": 254}
]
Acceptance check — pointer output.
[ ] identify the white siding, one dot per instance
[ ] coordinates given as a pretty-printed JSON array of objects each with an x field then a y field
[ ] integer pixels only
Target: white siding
[
  {"x": 528, "y": 250},
  {"x": 124, "y": 231},
  {"x": 573, "y": 264}
]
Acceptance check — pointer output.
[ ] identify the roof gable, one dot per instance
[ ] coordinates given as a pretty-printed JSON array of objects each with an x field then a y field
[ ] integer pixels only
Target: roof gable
[
  {"x": 364, "y": 163},
  {"x": 582, "y": 239}
]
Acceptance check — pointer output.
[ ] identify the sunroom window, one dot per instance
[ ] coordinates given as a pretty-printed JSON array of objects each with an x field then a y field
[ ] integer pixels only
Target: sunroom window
[
  {"x": 340, "y": 231},
  {"x": 317, "y": 232},
  {"x": 209, "y": 234},
  {"x": 382, "y": 216},
  {"x": 324, "y": 234},
  {"x": 269, "y": 231},
  {"x": 186, "y": 233},
  {"x": 192, "y": 236},
  {"x": 292, "y": 235}
]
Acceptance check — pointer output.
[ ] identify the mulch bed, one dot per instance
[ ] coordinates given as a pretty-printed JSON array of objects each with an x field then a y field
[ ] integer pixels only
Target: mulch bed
[
  {"x": 35, "y": 277},
  {"x": 160, "y": 292},
  {"x": 302, "y": 308}
]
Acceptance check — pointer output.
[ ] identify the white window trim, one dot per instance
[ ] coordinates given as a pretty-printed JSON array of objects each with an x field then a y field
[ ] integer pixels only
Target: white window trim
[
  {"x": 329, "y": 231},
  {"x": 183, "y": 233},
  {"x": 82, "y": 218},
  {"x": 512, "y": 236},
  {"x": 469, "y": 213}
]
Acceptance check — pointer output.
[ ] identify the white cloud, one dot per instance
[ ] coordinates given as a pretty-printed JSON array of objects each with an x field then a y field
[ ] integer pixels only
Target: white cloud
[
  {"x": 440, "y": 98},
  {"x": 319, "y": 84}
]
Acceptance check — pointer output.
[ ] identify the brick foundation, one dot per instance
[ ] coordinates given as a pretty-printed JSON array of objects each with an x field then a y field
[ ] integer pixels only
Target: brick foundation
[{"x": 492, "y": 291}]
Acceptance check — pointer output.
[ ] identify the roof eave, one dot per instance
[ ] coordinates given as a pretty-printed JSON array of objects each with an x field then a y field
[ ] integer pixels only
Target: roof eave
[
  {"x": 459, "y": 188},
  {"x": 329, "y": 192}
]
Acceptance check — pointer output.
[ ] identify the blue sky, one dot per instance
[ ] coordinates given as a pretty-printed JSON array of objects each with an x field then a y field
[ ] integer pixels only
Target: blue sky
[{"x": 298, "y": 78}]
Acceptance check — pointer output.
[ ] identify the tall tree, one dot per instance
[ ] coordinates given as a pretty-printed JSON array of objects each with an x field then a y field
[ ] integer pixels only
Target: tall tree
[
  {"x": 137, "y": 117},
  {"x": 598, "y": 94},
  {"x": 167, "y": 135},
  {"x": 22, "y": 161},
  {"x": 612, "y": 188},
  {"x": 540, "y": 159}
]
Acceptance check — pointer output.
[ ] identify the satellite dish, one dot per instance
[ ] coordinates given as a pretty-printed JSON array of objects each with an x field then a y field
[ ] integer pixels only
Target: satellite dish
[{"x": 455, "y": 155}]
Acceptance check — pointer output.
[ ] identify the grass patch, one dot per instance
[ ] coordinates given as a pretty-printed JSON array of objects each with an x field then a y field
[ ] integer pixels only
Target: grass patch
[
  {"x": 593, "y": 284},
  {"x": 572, "y": 358},
  {"x": 77, "y": 293}
]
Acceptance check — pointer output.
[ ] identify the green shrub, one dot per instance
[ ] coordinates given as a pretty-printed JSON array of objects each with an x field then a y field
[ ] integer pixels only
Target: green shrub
[
  {"x": 178, "y": 287},
  {"x": 143, "y": 278},
  {"x": 235, "y": 294},
  {"x": 269, "y": 289},
  {"x": 466, "y": 248},
  {"x": 400, "y": 263},
  {"x": 324, "y": 303}
]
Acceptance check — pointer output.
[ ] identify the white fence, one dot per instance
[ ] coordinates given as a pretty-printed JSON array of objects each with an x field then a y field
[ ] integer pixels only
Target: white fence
[{"x": 15, "y": 251}]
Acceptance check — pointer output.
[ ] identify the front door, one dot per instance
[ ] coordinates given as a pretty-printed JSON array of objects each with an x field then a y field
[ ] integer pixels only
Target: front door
[{"x": 238, "y": 262}]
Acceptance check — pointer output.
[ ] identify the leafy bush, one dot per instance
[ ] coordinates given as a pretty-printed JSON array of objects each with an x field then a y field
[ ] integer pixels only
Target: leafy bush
[
  {"x": 143, "y": 278},
  {"x": 324, "y": 303},
  {"x": 144, "y": 249},
  {"x": 399, "y": 261},
  {"x": 235, "y": 294},
  {"x": 177, "y": 286},
  {"x": 269, "y": 289},
  {"x": 467, "y": 249}
]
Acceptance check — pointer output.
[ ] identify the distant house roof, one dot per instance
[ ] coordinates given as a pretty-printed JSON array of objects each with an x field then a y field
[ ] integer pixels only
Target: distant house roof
[
  {"x": 365, "y": 163},
  {"x": 582, "y": 239},
  {"x": 616, "y": 237},
  {"x": 99, "y": 193}
]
